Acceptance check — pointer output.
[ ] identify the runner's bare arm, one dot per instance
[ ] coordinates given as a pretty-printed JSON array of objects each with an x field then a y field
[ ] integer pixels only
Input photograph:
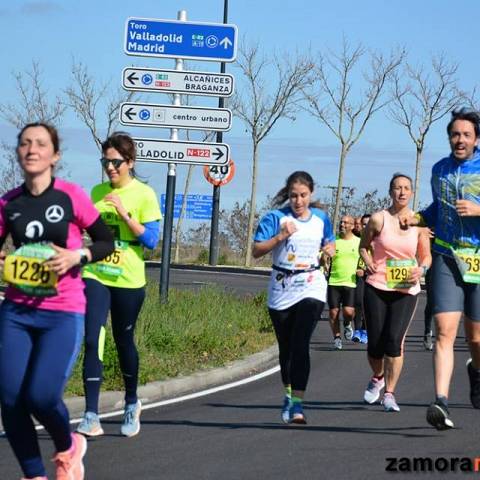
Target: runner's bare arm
[
  {"x": 424, "y": 255},
  {"x": 373, "y": 228}
]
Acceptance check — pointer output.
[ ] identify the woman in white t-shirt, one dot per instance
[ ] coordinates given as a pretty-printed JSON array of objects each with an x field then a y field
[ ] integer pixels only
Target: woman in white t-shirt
[{"x": 295, "y": 234}]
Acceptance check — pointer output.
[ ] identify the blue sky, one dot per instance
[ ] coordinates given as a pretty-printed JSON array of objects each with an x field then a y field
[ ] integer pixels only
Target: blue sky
[{"x": 52, "y": 32}]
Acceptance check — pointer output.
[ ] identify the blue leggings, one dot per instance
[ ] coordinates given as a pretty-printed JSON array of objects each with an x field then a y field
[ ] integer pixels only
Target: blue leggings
[
  {"x": 38, "y": 349},
  {"x": 124, "y": 305}
]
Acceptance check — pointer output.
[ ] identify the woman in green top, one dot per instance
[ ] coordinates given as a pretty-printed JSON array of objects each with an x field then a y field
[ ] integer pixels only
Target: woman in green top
[{"x": 117, "y": 283}]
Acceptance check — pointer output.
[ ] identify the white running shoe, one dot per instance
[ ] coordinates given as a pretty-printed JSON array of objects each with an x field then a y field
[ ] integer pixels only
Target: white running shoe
[{"x": 374, "y": 388}]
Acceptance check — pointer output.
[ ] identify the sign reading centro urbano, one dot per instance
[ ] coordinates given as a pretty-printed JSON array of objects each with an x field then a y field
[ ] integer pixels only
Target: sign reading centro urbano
[
  {"x": 175, "y": 116},
  {"x": 151, "y": 37},
  {"x": 175, "y": 81},
  {"x": 171, "y": 151}
]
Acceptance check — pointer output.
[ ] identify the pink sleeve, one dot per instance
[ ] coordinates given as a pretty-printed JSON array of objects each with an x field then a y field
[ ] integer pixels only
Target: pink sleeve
[{"x": 83, "y": 209}]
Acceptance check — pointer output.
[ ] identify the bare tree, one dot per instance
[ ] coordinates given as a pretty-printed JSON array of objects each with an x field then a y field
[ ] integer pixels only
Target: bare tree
[
  {"x": 264, "y": 101},
  {"x": 344, "y": 111},
  {"x": 33, "y": 104},
  {"x": 421, "y": 98},
  {"x": 94, "y": 104},
  {"x": 10, "y": 173},
  {"x": 472, "y": 100}
]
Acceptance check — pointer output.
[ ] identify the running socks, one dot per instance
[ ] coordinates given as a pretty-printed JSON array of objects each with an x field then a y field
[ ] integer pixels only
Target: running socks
[
  {"x": 442, "y": 399},
  {"x": 288, "y": 391},
  {"x": 296, "y": 400}
]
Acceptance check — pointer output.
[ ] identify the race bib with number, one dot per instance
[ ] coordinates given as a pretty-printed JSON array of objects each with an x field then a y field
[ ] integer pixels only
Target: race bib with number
[
  {"x": 398, "y": 272},
  {"x": 468, "y": 262},
  {"x": 112, "y": 265},
  {"x": 25, "y": 270}
]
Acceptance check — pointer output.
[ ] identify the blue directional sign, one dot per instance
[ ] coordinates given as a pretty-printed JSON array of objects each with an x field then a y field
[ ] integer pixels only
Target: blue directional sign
[
  {"x": 198, "y": 207},
  {"x": 149, "y": 37}
]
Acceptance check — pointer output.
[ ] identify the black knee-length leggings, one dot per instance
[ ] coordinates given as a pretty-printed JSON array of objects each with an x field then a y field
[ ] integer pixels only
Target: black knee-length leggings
[
  {"x": 293, "y": 328},
  {"x": 388, "y": 316}
]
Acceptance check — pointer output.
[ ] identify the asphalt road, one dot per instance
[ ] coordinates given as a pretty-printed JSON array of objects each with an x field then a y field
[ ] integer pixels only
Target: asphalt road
[
  {"x": 237, "y": 433},
  {"x": 239, "y": 283}
]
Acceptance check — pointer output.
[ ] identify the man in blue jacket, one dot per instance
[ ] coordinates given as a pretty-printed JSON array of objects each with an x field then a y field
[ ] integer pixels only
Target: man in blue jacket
[{"x": 455, "y": 216}]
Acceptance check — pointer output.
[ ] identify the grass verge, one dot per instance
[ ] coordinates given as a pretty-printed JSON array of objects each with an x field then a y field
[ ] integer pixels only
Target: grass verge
[{"x": 196, "y": 330}]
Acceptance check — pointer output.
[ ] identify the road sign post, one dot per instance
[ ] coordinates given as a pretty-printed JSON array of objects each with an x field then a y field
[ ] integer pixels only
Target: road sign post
[
  {"x": 179, "y": 40},
  {"x": 214, "y": 243}
]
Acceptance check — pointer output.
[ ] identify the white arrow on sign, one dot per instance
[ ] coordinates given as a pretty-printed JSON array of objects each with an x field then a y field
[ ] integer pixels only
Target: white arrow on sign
[
  {"x": 191, "y": 153},
  {"x": 173, "y": 116},
  {"x": 174, "y": 81},
  {"x": 226, "y": 42}
]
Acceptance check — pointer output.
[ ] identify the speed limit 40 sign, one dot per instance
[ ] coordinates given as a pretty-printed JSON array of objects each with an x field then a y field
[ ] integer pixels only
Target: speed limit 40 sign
[{"x": 219, "y": 175}]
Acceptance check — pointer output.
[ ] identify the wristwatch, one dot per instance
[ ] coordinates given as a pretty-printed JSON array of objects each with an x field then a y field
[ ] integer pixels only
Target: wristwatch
[
  {"x": 83, "y": 256},
  {"x": 424, "y": 268}
]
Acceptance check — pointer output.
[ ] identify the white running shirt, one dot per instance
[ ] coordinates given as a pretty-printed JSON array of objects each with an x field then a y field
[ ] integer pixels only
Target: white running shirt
[{"x": 298, "y": 252}]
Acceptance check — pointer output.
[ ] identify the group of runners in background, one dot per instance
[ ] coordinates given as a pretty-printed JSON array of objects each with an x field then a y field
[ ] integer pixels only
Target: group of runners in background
[
  {"x": 396, "y": 250},
  {"x": 61, "y": 287}
]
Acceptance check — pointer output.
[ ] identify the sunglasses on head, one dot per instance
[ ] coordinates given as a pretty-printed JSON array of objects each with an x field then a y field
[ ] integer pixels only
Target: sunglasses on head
[{"x": 116, "y": 162}]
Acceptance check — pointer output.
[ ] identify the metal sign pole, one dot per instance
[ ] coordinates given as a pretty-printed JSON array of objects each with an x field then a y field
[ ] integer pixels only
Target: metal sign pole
[
  {"x": 214, "y": 244},
  {"x": 170, "y": 197}
]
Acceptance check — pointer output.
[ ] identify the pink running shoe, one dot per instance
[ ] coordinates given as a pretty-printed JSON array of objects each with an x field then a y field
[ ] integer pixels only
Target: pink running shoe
[{"x": 70, "y": 463}]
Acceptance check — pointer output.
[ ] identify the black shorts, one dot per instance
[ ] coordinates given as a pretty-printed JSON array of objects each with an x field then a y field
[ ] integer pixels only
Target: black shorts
[{"x": 339, "y": 295}]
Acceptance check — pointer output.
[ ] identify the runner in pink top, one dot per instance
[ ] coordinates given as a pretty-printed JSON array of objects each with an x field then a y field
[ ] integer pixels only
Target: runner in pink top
[
  {"x": 395, "y": 261},
  {"x": 42, "y": 318}
]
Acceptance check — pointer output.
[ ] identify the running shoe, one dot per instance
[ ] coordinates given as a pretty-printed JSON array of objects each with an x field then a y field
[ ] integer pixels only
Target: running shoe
[
  {"x": 296, "y": 414},
  {"x": 348, "y": 331},
  {"x": 70, "y": 463},
  {"x": 287, "y": 405},
  {"x": 374, "y": 388},
  {"x": 337, "y": 343},
  {"x": 389, "y": 403},
  {"x": 474, "y": 377},
  {"x": 131, "y": 419},
  {"x": 35, "y": 478},
  {"x": 363, "y": 337},
  {"x": 438, "y": 416},
  {"x": 428, "y": 342},
  {"x": 357, "y": 336},
  {"x": 90, "y": 425}
]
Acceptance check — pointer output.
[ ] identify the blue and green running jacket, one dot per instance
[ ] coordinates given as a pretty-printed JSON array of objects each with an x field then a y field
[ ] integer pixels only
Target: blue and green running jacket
[{"x": 453, "y": 180}]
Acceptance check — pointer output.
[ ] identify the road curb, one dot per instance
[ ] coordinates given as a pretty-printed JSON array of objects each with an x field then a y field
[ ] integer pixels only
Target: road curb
[
  {"x": 262, "y": 271},
  {"x": 175, "y": 387}
]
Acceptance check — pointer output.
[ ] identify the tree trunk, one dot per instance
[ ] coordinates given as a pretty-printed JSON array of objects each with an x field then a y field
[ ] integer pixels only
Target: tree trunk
[
  {"x": 338, "y": 199},
  {"x": 416, "y": 195},
  {"x": 182, "y": 213},
  {"x": 251, "y": 214}
]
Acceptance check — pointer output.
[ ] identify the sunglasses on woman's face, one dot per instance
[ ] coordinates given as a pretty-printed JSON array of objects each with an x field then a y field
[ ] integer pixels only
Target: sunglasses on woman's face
[{"x": 116, "y": 162}]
